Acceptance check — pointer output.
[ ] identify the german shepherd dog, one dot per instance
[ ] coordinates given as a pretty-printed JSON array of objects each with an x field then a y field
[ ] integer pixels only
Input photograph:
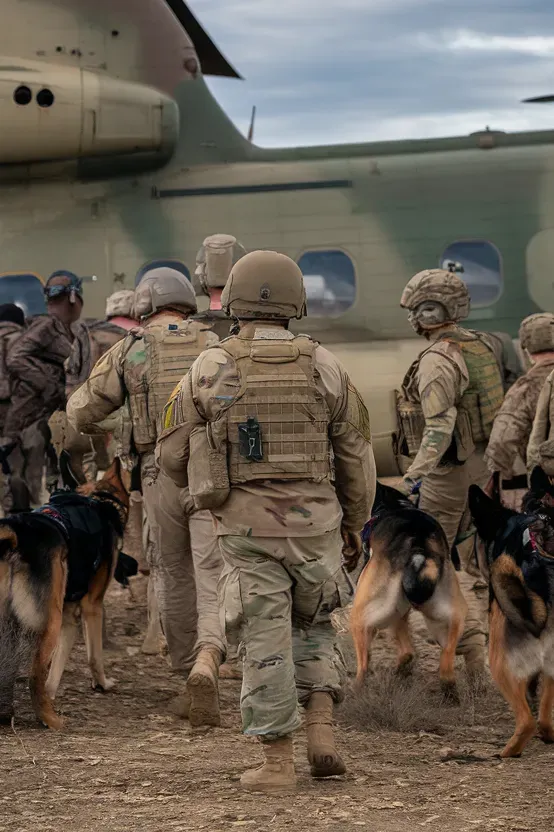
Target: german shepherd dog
[
  {"x": 409, "y": 568},
  {"x": 56, "y": 563},
  {"x": 519, "y": 551}
]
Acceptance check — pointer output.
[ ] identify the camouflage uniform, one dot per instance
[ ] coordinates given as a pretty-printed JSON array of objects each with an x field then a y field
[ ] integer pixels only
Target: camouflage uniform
[
  {"x": 10, "y": 330},
  {"x": 455, "y": 390},
  {"x": 36, "y": 366},
  {"x": 126, "y": 375},
  {"x": 540, "y": 450},
  {"x": 507, "y": 449},
  {"x": 278, "y": 519}
]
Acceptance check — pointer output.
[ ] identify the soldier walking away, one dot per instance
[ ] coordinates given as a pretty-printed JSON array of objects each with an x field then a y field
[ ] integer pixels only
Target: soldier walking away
[
  {"x": 506, "y": 453},
  {"x": 214, "y": 261},
  {"x": 36, "y": 366},
  {"x": 251, "y": 429},
  {"x": 142, "y": 371},
  {"x": 93, "y": 338},
  {"x": 12, "y": 325},
  {"x": 446, "y": 408}
]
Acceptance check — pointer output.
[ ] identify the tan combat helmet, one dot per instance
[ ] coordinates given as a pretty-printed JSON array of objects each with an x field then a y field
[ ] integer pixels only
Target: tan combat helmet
[
  {"x": 536, "y": 333},
  {"x": 164, "y": 288},
  {"x": 214, "y": 261},
  {"x": 438, "y": 286},
  {"x": 120, "y": 304},
  {"x": 265, "y": 284}
]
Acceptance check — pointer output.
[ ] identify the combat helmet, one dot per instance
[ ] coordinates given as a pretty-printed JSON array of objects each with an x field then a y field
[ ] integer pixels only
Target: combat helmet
[
  {"x": 265, "y": 284},
  {"x": 120, "y": 304},
  {"x": 214, "y": 261},
  {"x": 438, "y": 286},
  {"x": 536, "y": 333},
  {"x": 163, "y": 288}
]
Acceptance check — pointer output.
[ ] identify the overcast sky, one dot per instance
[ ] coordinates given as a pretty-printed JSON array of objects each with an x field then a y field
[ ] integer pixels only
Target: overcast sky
[{"x": 329, "y": 71}]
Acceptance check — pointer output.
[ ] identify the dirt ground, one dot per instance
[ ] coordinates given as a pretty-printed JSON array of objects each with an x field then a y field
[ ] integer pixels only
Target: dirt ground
[{"x": 123, "y": 763}]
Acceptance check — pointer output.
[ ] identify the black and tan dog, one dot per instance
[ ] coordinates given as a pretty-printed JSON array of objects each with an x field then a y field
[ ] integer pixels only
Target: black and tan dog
[
  {"x": 519, "y": 550},
  {"x": 55, "y": 564},
  {"x": 409, "y": 568}
]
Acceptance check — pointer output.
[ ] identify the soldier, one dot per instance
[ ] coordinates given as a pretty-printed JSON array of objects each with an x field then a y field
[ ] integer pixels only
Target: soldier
[
  {"x": 214, "y": 262},
  {"x": 12, "y": 325},
  {"x": 36, "y": 364},
  {"x": 540, "y": 450},
  {"x": 252, "y": 429},
  {"x": 507, "y": 449},
  {"x": 447, "y": 405},
  {"x": 88, "y": 454},
  {"x": 142, "y": 371}
]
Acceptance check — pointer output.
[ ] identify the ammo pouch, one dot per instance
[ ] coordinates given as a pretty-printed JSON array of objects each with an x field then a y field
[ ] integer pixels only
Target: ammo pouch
[
  {"x": 411, "y": 425},
  {"x": 208, "y": 475}
]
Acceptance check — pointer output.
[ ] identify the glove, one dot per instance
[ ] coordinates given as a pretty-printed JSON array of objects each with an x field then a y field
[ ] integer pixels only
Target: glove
[{"x": 351, "y": 549}]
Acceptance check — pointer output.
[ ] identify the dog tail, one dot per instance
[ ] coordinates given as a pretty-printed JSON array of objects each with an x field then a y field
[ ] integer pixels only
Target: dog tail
[
  {"x": 421, "y": 575},
  {"x": 523, "y": 608}
]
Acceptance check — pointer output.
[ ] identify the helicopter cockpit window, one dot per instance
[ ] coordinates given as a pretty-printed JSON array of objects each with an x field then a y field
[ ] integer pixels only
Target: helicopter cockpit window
[
  {"x": 25, "y": 290},
  {"x": 479, "y": 264},
  {"x": 158, "y": 264},
  {"x": 330, "y": 282}
]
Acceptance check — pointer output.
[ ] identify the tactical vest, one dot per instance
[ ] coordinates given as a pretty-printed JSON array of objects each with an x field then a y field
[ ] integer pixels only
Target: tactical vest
[
  {"x": 162, "y": 353},
  {"x": 277, "y": 389},
  {"x": 477, "y": 408}
]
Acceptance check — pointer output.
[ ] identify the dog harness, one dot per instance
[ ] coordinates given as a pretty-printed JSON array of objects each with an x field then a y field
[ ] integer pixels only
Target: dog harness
[{"x": 79, "y": 523}]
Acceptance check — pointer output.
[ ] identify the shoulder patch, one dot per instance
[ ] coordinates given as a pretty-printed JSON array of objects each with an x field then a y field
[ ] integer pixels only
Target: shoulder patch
[
  {"x": 172, "y": 415},
  {"x": 357, "y": 413}
]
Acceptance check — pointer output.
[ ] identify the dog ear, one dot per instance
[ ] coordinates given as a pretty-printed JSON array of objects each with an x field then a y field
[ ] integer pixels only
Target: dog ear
[
  {"x": 540, "y": 482},
  {"x": 488, "y": 515},
  {"x": 387, "y": 497},
  {"x": 69, "y": 479}
]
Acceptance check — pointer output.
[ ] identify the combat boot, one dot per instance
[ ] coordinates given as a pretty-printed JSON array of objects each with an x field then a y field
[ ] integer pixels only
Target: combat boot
[
  {"x": 324, "y": 759},
  {"x": 202, "y": 686},
  {"x": 277, "y": 774}
]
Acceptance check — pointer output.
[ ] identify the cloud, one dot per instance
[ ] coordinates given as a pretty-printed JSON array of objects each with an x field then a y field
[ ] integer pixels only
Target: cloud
[{"x": 360, "y": 70}]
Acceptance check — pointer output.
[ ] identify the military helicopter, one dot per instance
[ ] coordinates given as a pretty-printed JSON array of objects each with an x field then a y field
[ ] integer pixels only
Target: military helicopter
[{"x": 114, "y": 155}]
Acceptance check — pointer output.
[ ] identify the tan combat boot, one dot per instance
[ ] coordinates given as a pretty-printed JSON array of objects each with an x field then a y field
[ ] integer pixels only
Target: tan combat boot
[
  {"x": 324, "y": 759},
  {"x": 277, "y": 773},
  {"x": 180, "y": 705},
  {"x": 202, "y": 686}
]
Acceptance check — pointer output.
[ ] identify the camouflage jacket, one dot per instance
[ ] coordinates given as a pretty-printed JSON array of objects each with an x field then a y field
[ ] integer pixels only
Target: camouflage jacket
[
  {"x": 291, "y": 508},
  {"x": 92, "y": 340},
  {"x": 507, "y": 448},
  {"x": 9, "y": 333},
  {"x": 542, "y": 432},
  {"x": 36, "y": 365}
]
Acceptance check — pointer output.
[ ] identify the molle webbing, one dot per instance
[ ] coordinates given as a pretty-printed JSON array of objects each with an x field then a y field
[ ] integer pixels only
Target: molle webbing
[
  {"x": 170, "y": 353},
  {"x": 278, "y": 389},
  {"x": 485, "y": 393}
]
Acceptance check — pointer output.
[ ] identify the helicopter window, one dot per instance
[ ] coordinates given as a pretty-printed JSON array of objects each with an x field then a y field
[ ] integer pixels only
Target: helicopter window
[
  {"x": 330, "y": 282},
  {"x": 25, "y": 290},
  {"x": 159, "y": 264},
  {"x": 479, "y": 264}
]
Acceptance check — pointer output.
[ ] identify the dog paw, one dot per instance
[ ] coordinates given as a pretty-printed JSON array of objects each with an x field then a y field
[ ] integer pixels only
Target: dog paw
[
  {"x": 52, "y": 721},
  {"x": 546, "y": 733},
  {"x": 105, "y": 686}
]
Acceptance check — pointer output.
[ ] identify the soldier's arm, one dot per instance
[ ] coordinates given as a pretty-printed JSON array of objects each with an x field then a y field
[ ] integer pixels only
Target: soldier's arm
[
  {"x": 541, "y": 425},
  {"x": 101, "y": 395},
  {"x": 350, "y": 436},
  {"x": 179, "y": 419},
  {"x": 24, "y": 357},
  {"x": 440, "y": 384},
  {"x": 510, "y": 432}
]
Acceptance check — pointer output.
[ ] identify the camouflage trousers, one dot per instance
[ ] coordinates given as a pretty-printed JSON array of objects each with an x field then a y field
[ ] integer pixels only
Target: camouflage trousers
[
  {"x": 444, "y": 495},
  {"x": 185, "y": 563},
  {"x": 22, "y": 487},
  {"x": 277, "y": 596}
]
